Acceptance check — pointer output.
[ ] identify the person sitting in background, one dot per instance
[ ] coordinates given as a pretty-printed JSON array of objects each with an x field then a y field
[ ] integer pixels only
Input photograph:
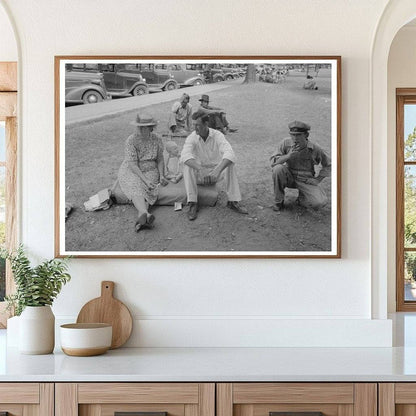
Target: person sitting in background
[
  {"x": 180, "y": 120},
  {"x": 310, "y": 83},
  {"x": 217, "y": 118}
]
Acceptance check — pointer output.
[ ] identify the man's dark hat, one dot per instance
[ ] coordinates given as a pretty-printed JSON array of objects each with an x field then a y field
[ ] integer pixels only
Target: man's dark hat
[
  {"x": 204, "y": 97},
  {"x": 296, "y": 127},
  {"x": 198, "y": 114}
]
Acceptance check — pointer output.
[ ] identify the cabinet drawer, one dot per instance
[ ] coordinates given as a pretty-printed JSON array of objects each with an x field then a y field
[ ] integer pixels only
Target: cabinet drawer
[
  {"x": 296, "y": 399},
  {"x": 138, "y": 393},
  {"x": 106, "y": 399},
  {"x": 21, "y": 399},
  {"x": 397, "y": 399},
  {"x": 19, "y": 393}
]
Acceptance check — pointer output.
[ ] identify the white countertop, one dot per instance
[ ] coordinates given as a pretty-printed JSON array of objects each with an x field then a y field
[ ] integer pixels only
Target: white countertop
[
  {"x": 214, "y": 364},
  {"x": 221, "y": 364}
]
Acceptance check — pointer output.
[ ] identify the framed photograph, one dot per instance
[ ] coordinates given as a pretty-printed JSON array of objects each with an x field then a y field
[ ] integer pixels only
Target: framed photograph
[{"x": 196, "y": 156}]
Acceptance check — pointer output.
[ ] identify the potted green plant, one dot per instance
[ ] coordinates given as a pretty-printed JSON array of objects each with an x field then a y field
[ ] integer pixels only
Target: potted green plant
[{"x": 36, "y": 289}]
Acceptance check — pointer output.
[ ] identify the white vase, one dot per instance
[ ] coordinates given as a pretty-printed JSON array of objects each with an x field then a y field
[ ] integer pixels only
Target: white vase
[
  {"x": 13, "y": 331},
  {"x": 37, "y": 330}
]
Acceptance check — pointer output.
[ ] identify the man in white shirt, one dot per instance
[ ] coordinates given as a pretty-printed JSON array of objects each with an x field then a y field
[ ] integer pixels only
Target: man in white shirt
[{"x": 208, "y": 157}]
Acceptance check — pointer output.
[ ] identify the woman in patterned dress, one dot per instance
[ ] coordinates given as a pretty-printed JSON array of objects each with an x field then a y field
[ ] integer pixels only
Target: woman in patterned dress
[{"x": 142, "y": 170}]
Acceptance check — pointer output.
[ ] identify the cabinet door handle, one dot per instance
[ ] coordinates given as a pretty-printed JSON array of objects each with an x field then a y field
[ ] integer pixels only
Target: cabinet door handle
[
  {"x": 296, "y": 414},
  {"x": 138, "y": 414}
]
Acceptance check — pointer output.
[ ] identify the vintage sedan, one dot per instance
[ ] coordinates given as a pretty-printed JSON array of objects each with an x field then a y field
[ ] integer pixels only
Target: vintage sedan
[
  {"x": 216, "y": 73},
  {"x": 157, "y": 76},
  {"x": 85, "y": 87},
  {"x": 185, "y": 75},
  {"x": 121, "y": 80}
]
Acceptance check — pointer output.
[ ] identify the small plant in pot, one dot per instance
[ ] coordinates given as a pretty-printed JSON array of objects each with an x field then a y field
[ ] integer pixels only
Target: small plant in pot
[{"x": 36, "y": 289}]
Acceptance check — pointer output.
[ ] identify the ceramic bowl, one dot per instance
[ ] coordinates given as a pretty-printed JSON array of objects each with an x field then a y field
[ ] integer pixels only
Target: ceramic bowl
[{"x": 83, "y": 340}]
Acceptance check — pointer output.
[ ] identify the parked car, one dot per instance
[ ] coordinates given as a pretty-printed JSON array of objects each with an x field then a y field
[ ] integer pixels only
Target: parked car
[
  {"x": 121, "y": 80},
  {"x": 215, "y": 73},
  {"x": 157, "y": 77},
  {"x": 185, "y": 74},
  {"x": 234, "y": 69},
  {"x": 85, "y": 87}
]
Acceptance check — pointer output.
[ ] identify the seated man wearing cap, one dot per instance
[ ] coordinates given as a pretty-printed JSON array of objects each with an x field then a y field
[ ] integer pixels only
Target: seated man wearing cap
[
  {"x": 294, "y": 167},
  {"x": 207, "y": 156},
  {"x": 217, "y": 118},
  {"x": 180, "y": 116},
  {"x": 310, "y": 83}
]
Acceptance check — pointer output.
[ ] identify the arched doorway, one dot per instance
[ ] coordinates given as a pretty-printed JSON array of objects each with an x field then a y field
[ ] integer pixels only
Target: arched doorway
[{"x": 396, "y": 14}]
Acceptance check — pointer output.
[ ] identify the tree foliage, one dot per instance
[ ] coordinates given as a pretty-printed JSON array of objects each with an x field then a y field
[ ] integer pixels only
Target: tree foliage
[
  {"x": 410, "y": 146},
  {"x": 410, "y": 191},
  {"x": 410, "y": 266},
  {"x": 2, "y": 234},
  {"x": 410, "y": 204},
  {"x": 35, "y": 286}
]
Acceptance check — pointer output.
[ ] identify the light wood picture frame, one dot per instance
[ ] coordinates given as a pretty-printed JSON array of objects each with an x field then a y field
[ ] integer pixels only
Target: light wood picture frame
[{"x": 100, "y": 100}]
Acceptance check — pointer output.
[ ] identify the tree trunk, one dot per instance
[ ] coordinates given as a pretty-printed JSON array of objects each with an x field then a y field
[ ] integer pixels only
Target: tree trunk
[{"x": 250, "y": 74}]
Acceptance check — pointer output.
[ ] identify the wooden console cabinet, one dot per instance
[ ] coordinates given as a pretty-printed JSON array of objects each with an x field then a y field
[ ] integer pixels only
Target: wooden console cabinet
[
  {"x": 27, "y": 399},
  {"x": 208, "y": 399}
]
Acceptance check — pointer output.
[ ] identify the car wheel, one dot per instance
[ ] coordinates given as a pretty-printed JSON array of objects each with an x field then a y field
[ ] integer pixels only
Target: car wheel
[
  {"x": 197, "y": 82},
  {"x": 92, "y": 97},
  {"x": 229, "y": 77},
  {"x": 139, "y": 90},
  {"x": 170, "y": 86},
  {"x": 218, "y": 79}
]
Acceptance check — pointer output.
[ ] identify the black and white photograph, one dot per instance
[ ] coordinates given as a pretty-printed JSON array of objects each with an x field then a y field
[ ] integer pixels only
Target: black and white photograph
[{"x": 198, "y": 156}]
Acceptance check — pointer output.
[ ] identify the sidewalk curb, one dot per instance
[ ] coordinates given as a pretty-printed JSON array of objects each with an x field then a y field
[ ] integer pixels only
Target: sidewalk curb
[
  {"x": 167, "y": 96},
  {"x": 99, "y": 117}
]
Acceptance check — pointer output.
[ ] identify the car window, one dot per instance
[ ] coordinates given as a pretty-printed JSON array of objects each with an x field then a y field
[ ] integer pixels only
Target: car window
[
  {"x": 91, "y": 67},
  {"x": 160, "y": 66},
  {"x": 130, "y": 67},
  {"x": 76, "y": 67},
  {"x": 145, "y": 67},
  {"x": 107, "y": 68}
]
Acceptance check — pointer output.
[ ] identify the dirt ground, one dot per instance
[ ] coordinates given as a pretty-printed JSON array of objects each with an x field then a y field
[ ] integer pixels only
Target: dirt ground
[{"x": 261, "y": 112}]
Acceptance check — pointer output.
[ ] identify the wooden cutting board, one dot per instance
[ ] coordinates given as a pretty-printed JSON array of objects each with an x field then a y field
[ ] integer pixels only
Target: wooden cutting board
[{"x": 107, "y": 309}]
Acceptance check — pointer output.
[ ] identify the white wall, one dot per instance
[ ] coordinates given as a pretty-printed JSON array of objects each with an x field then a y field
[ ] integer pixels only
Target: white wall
[
  {"x": 401, "y": 74},
  {"x": 174, "y": 299},
  {"x": 8, "y": 46}
]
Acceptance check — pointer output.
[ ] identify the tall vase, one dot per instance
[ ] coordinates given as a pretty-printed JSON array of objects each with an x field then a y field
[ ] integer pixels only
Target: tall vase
[
  {"x": 13, "y": 332},
  {"x": 37, "y": 330}
]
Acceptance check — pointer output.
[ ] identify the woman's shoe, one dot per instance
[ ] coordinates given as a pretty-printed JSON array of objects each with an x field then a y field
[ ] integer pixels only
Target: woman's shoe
[
  {"x": 141, "y": 222},
  {"x": 150, "y": 219},
  {"x": 137, "y": 226}
]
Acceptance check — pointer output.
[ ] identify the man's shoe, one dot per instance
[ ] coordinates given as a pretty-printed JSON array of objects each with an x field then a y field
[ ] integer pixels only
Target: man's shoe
[
  {"x": 193, "y": 211},
  {"x": 278, "y": 206},
  {"x": 237, "y": 207}
]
